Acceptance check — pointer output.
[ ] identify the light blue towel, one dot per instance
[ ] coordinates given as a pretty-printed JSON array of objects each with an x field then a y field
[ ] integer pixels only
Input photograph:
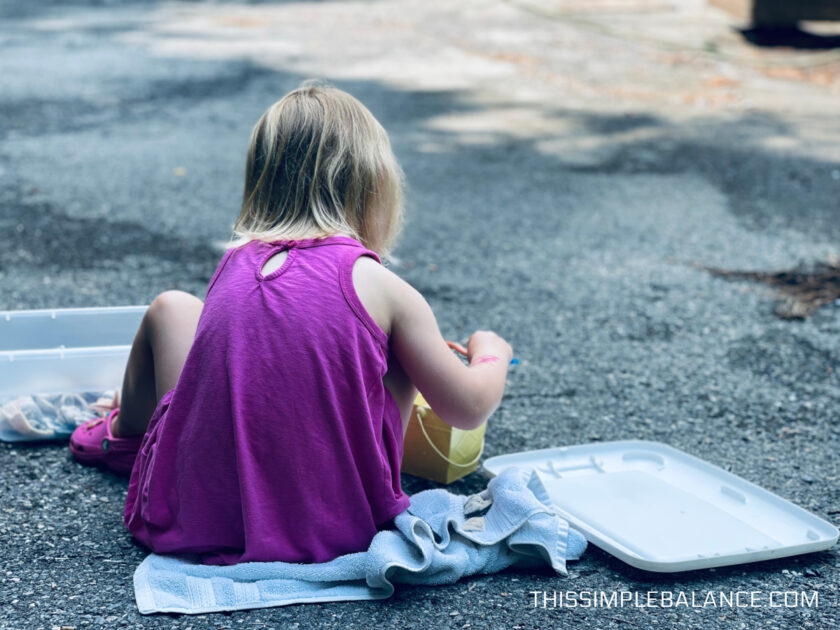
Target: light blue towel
[{"x": 440, "y": 538}]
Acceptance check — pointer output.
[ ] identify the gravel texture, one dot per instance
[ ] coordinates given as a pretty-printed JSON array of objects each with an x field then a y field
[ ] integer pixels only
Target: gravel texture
[{"x": 565, "y": 169}]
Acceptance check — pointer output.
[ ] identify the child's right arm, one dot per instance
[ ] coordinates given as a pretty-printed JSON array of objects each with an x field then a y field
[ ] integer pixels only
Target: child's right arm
[{"x": 463, "y": 396}]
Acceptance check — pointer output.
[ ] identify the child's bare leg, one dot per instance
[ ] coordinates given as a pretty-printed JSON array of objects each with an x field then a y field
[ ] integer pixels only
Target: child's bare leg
[{"x": 156, "y": 359}]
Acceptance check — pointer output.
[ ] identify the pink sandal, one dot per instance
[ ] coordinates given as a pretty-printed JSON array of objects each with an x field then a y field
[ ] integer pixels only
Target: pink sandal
[{"x": 93, "y": 444}]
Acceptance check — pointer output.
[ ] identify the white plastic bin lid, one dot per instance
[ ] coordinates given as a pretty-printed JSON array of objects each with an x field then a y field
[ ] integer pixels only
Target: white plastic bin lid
[{"x": 660, "y": 509}]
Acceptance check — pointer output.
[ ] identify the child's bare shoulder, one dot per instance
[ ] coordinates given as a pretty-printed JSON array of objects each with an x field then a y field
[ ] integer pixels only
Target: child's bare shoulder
[{"x": 382, "y": 292}]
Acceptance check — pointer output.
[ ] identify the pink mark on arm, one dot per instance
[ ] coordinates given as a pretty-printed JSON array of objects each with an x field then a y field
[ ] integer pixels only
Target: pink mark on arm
[{"x": 487, "y": 358}]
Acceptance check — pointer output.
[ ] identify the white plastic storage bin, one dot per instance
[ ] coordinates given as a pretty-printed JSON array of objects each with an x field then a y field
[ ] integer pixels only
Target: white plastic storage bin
[{"x": 65, "y": 350}]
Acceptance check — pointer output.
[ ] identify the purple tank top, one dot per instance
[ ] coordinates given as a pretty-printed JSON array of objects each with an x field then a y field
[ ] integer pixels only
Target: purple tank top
[{"x": 279, "y": 441}]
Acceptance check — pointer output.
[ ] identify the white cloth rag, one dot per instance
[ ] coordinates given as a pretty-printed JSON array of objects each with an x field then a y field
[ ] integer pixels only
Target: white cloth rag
[
  {"x": 52, "y": 416},
  {"x": 438, "y": 540}
]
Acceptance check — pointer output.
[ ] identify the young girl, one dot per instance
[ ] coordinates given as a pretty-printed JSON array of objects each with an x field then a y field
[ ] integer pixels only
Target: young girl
[{"x": 267, "y": 423}]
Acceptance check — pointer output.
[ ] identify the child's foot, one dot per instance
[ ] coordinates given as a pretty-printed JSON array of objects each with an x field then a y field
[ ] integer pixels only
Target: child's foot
[{"x": 94, "y": 444}]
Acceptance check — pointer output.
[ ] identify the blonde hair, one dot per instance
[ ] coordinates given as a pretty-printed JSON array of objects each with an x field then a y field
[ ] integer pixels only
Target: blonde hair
[{"x": 320, "y": 164}]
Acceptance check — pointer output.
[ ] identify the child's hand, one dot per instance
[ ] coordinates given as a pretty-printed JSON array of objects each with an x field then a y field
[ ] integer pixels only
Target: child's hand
[{"x": 486, "y": 342}]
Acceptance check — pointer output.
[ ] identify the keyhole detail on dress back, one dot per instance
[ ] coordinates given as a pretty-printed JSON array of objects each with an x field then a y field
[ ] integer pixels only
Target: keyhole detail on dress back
[{"x": 274, "y": 262}]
